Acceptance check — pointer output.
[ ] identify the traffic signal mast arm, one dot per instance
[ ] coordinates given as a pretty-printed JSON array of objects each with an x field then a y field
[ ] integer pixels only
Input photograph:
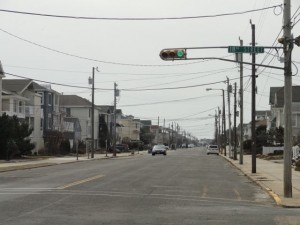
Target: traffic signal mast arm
[{"x": 171, "y": 54}]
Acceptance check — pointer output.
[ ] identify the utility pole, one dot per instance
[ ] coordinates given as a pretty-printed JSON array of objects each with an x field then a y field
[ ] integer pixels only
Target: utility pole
[
  {"x": 115, "y": 120},
  {"x": 163, "y": 134},
  {"x": 229, "y": 87},
  {"x": 253, "y": 131},
  {"x": 169, "y": 136},
  {"x": 234, "y": 125},
  {"x": 92, "y": 113},
  {"x": 241, "y": 107},
  {"x": 287, "y": 47},
  {"x": 216, "y": 127},
  {"x": 224, "y": 123},
  {"x": 219, "y": 124}
]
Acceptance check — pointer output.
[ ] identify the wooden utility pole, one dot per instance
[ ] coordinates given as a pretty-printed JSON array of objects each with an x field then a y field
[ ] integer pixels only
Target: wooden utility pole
[
  {"x": 115, "y": 120},
  {"x": 92, "y": 113},
  {"x": 234, "y": 125},
  {"x": 253, "y": 130},
  {"x": 241, "y": 107},
  {"x": 288, "y": 134},
  {"x": 229, "y": 87}
]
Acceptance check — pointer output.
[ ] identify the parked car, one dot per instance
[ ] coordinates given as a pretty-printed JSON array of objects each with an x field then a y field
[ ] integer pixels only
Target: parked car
[
  {"x": 212, "y": 149},
  {"x": 122, "y": 147},
  {"x": 159, "y": 149}
]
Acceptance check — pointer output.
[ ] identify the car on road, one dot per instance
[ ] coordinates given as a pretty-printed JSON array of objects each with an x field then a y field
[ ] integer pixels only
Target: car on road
[
  {"x": 212, "y": 149},
  {"x": 159, "y": 149}
]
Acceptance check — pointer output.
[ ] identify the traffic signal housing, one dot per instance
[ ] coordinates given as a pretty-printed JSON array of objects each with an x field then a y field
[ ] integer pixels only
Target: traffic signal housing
[
  {"x": 173, "y": 54},
  {"x": 297, "y": 41}
]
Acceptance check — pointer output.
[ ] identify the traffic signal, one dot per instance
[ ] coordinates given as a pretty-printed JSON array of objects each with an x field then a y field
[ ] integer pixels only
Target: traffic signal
[
  {"x": 297, "y": 41},
  {"x": 172, "y": 54}
]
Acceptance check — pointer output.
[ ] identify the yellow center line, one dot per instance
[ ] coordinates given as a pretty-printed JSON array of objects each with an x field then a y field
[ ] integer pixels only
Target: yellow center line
[{"x": 80, "y": 182}]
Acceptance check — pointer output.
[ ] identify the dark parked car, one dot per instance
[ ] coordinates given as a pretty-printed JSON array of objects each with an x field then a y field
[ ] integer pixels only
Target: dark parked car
[{"x": 122, "y": 147}]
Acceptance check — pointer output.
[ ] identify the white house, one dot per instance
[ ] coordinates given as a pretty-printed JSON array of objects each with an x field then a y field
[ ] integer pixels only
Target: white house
[{"x": 81, "y": 108}]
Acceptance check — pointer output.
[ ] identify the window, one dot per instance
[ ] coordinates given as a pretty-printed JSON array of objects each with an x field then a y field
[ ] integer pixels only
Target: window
[
  {"x": 68, "y": 111},
  {"x": 20, "y": 107},
  {"x": 294, "y": 120},
  {"x": 49, "y": 99},
  {"x": 15, "y": 105},
  {"x": 42, "y": 98},
  {"x": 42, "y": 122},
  {"x": 5, "y": 105}
]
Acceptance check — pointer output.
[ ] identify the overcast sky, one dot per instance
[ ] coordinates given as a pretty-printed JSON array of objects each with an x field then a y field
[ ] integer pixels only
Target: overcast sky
[{"x": 127, "y": 52}]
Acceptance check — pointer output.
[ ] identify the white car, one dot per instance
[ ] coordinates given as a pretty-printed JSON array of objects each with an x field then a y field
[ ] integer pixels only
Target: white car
[
  {"x": 159, "y": 149},
  {"x": 212, "y": 149}
]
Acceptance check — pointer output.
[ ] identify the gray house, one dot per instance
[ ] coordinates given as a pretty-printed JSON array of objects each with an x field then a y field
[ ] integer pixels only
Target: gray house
[{"x": 276, "y": 101}]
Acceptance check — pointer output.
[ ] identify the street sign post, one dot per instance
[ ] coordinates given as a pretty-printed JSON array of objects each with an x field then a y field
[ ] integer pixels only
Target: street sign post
[{"x": 246, "y": 49}]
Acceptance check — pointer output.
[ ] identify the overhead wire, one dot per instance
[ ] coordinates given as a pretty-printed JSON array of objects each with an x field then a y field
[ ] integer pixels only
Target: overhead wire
[
  {"x": 96, "y": 60},
  {"x": 124, "y": 89},
  {"x": 137, "y": 19}
]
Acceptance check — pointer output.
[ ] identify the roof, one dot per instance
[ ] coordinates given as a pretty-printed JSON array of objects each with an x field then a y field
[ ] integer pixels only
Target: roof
[
  {"x": 73, "y": 100},
  {"x": 146, "y": 122},
  {"x": 16, "y": 85},
  {"x": 20, "y": 85},
  {"x": 106, "y": 108}
]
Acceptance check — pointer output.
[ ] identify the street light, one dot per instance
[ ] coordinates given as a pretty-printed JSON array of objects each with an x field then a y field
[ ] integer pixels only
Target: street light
[{"x": 223, "y": 117}]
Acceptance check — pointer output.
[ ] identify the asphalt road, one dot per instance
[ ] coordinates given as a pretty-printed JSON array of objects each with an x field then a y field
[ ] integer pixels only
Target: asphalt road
[{"x": 184, "y": 187}]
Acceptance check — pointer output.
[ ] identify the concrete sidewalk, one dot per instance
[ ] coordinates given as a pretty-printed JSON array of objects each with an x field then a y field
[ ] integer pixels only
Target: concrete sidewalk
[
  {"x": 34, "y": 162},
  {"x": 269, "y": 175}
]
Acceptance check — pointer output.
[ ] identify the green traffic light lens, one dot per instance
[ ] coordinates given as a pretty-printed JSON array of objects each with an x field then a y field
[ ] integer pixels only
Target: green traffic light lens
[{"x": 180, "y": 53}]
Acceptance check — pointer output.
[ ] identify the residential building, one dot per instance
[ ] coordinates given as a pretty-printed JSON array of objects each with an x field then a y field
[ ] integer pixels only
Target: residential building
[
  {"x": 81, "y": 108},
  {"x": 52, "y": 119},
  {"x": 72, "y": 131},
  {"x": 129, "y": 128},
  {"x": 276, "y": 101},
  {"x": 1, "y": 77},
  {"x": 20, "y": 99}
]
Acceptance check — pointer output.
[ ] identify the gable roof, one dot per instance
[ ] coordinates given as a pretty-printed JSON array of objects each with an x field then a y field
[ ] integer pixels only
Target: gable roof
[
  {"x": 16, "y": 85},
  {"x": 74, "y": 100}
]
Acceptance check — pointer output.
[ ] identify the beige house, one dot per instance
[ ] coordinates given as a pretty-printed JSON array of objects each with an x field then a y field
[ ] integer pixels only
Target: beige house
[
  {"x": 20, "y": 99},
  {"x": 129, "y": 128}
]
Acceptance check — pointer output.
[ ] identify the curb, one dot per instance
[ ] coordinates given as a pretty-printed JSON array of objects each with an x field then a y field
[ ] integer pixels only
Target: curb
[
  {"x": 272, "y": 194},
  {"x": 37, "y": 165}
]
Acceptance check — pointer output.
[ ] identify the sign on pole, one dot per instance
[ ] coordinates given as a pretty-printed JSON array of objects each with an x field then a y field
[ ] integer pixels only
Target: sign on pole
[{"x": 246, "y": 49}]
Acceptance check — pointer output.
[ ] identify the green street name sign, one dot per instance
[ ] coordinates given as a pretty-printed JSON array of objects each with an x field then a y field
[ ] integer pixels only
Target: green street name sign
[{"x": 245, "y": 49}]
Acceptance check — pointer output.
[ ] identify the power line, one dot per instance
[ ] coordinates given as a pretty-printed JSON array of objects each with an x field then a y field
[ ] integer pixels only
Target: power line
[
  {"x": 141, "y": 18},
  {"x": 170, "y": 101},
  {"x": 125, "y": 74},
  {"x": 110, "y": 89},
  {"x": 94, "y": 60}
]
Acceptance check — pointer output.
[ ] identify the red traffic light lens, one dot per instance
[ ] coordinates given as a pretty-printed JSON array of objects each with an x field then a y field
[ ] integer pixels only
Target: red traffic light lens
[{"x": 172, "y": 54}]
